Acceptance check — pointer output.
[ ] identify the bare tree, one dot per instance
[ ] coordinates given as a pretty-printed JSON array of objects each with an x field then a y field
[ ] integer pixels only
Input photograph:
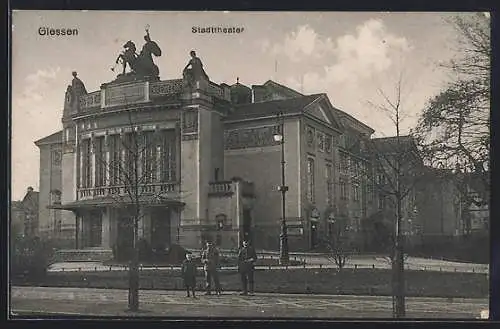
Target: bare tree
[
  {"x": 338, "y": 244},
  {"x": 397, "y": 169}
]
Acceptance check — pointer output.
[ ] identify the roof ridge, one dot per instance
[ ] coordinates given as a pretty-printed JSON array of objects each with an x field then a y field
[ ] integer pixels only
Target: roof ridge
[{"x": 283, "y": 86}]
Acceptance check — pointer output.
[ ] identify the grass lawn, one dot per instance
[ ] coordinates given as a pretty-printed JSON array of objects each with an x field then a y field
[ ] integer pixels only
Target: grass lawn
[{"x": 314, "y": 281}]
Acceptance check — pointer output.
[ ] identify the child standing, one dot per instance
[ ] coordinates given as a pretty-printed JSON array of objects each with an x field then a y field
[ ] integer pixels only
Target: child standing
[{"x": 189, "y": 274}]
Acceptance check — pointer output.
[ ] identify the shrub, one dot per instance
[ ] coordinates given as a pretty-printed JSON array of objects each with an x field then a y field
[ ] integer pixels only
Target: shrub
[
  {"x": 30, "y": 257},
  {"x": 176, "y": 254}
]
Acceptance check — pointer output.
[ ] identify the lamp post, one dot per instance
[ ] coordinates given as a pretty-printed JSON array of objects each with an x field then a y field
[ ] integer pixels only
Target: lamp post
[
  {"x": 441, "y": 181},
  {"x": 279, "y": 137}
]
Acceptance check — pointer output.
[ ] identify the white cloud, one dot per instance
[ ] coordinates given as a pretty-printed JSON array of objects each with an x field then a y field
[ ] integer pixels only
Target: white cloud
[
  {"x": 302, "y": 44},
  {"x": 29, "y": 106},
  {"x": 360, "y": 62},
  {"x": 36, "y": 84},
  {"x": 358, "y": 57},
  {"x": 372, "y": 50}
]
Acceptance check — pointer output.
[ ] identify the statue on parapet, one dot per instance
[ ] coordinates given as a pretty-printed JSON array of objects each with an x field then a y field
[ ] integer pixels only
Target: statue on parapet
[
  {"x": 142, "y": 64},
  {"x": 194, "y": 70},
  {"x": 75, "y": 90}
]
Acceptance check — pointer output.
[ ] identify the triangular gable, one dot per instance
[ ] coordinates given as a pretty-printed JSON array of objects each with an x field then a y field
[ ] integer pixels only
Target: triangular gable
[
  {"x": 281, "y": 91},
  {"x": 322, "y": 110}
]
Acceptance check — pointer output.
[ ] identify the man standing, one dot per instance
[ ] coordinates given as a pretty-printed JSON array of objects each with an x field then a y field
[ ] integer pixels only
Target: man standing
[
  {"x": 246, "y": 266},
  {"x": 210, "y": 260}
]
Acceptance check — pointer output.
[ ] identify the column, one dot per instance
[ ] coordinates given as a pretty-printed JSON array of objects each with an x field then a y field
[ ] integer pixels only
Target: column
[
  {"x": 80, "y": 165},
  {"x": 140, "y": 156},
  {"x": 106, "y": 229},
  {"x": 107, "y": 160},
  {"x": 77, "y": 231},
  {"x": 146, "y": 91},
  {"x": 146, "y": 224},
  {"x": 92, "y": 160},
  {"x": 122, "y": 158},
  {"x": 159, "y": 151},
  {"x": 175, "y": 229},
  {"x": 82, "y": 234}
]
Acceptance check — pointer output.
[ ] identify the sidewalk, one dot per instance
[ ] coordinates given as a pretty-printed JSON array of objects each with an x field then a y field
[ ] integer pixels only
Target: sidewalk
[{"x": 113, "y": 302}]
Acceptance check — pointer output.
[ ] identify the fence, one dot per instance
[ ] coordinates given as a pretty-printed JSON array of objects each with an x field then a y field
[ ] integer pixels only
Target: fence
[{"x": 231, "y": 269}]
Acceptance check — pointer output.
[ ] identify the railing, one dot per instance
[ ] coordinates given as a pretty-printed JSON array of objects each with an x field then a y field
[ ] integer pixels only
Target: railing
[
  {"x": 126, "y": 94},
  {"x": 159, "y": 188},
  {"x": 165, "y": 88},
  {"x": 89, "y": 101},
  {"x": 139, "y": 92},
  {"x": 217, "y": 91},
  {"x": 144, "y": 189},
  {"x": 220, "y": 187}
]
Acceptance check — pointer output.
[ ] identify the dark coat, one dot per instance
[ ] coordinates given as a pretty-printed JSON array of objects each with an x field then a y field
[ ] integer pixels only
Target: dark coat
[
  {"x": 210, "y": 258},
  {"x": 246, "y": 259},
  {"x": 188, "y": 272}
]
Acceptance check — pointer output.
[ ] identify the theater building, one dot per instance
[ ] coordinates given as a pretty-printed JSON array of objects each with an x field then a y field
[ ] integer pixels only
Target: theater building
[{"x": 201, "y": 161}]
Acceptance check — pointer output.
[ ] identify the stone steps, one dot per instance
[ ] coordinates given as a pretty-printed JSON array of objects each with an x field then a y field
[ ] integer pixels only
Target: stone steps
[{"x": 82, "y": 255}]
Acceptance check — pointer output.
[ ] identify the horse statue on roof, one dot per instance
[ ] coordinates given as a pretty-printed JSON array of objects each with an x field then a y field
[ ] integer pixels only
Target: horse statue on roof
[{"x": 141, "y": 64}]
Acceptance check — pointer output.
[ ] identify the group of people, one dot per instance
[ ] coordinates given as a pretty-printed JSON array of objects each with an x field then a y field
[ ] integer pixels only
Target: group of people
[{"x": 210, "y": 260}]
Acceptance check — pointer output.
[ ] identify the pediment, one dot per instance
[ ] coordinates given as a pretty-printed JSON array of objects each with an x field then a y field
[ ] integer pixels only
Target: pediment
[{"x": 322, "y": 110}]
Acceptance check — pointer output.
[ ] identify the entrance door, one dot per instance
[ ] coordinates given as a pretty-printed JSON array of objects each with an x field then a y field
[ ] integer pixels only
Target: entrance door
[
  {"x": 314, "y": 233},
  {"x": 95, "y": 234},
  {"x": 247, "y": 225},
  {"x": 160, "y": 229},
  {"x": 125, "y": 239}
]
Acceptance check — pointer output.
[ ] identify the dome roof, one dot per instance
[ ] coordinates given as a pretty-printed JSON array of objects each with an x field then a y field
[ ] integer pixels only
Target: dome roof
[{"x": 240, "y": 94}]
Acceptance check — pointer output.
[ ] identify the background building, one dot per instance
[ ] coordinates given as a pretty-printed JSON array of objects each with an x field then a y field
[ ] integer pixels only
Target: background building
[{"x": 24, "y": 214}]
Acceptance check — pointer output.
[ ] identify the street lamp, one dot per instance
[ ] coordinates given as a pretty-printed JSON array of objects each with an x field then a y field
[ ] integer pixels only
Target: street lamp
[{"x": 280, "y": 138}]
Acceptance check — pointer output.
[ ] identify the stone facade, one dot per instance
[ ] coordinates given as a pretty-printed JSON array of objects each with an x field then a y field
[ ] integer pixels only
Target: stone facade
[{"x": 209, "y": 166}]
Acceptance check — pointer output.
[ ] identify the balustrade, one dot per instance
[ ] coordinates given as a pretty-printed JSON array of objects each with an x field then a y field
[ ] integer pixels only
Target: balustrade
[
  {"x": 144, "y": 189},
  {"x": 92, "y": 100},
  {"x": 221, "y": 187},
  {"x": 141, "y": 92}
]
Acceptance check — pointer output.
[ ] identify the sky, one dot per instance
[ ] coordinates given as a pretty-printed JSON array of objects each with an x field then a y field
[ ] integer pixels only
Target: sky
[{"x": 350, "y": 56}]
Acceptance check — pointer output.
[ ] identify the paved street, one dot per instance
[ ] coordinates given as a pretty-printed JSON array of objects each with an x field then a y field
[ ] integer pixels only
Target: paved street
[{"x": 113, "y": 302}]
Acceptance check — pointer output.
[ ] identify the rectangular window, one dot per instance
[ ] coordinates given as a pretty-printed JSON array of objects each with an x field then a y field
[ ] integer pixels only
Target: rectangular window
[
  {"x": 329, "y": 184},
  {"x": 86, "y": 163},
  {"x": 115, "y": 160},
  {"x": 381, "y": 201},
  {"x": 355, "y": 192},
  {"x": 131, "y": 144},
  {"x": 149, "y": 157},
  {"x": 168, "y": 156},
  {"x": 328, "y": 144},
  {"x": 310, "y": 179},
  {"x": 380, "y": 178},
  {"x": 321, "y": 141},
  {"x": 343, "y": 189},
  {"x": 369, "y": 192},
  {"x": 100, "y": 162},
  {"x": 344, "y": 163}
]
